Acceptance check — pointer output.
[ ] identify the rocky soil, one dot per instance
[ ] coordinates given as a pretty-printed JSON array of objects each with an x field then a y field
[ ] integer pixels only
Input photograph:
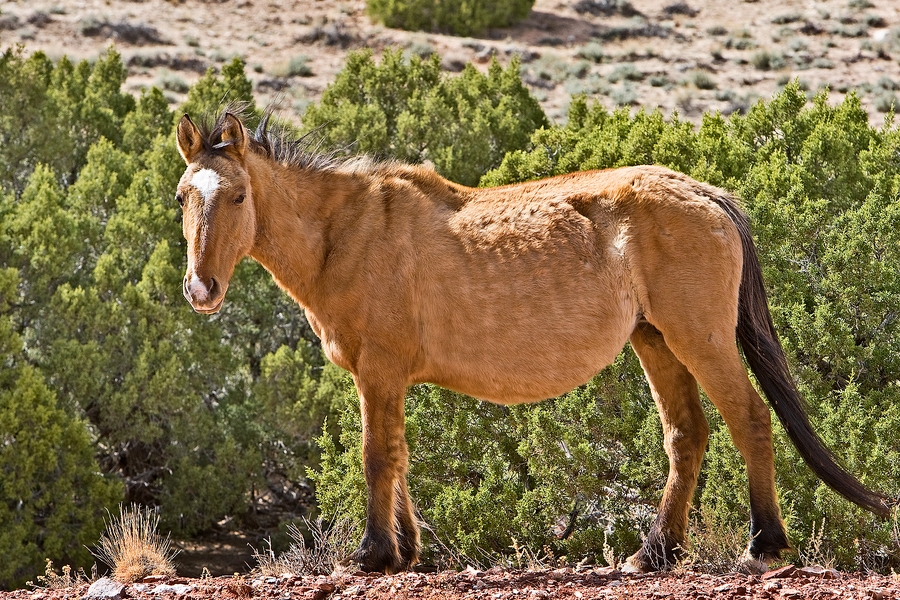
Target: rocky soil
[
  {"x": 690, "y": 56},
  {"x": 498, "y": 584}
]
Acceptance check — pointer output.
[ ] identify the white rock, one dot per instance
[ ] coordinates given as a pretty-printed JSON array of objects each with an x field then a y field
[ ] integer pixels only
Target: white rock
[
  {"x": 105, "y": 589},
  {"x": 179, "y": 589}
]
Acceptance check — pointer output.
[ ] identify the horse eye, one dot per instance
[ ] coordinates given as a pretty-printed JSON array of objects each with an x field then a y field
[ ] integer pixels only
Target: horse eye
[
  {"x": 240, "y": 199},
  {"x": 180, "y": 199}
]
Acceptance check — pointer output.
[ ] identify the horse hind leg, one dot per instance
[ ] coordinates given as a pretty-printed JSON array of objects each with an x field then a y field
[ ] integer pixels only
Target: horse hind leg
[
  {"x": 711, "y": 355},
  {"x": 685, "y": 429}
]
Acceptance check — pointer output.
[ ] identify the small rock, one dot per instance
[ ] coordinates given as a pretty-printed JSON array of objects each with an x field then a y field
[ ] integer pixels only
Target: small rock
[
  {"x": 791, "y": 593},
  {"x": 239, "y": 589},
  {"x": 105, "y": 589},
  {"x": 875, "y": 594},
  {"x": 819, "y": 572},
  {"x": 472, "y": 571},
  {"x": 179, "y": 589},
  {"x": 782, "y": 573},
  {"x": 608, "y": 572}
]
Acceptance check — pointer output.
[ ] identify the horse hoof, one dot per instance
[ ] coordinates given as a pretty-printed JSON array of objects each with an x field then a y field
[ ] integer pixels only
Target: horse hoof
[
  {"x": 751, "y": 565},
  {"x": 372, "y": 559},
  {"x": 633, "y": 566}
]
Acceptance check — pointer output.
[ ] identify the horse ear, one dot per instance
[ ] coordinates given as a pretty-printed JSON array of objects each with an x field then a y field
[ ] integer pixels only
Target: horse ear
[
  {"x": 190, "y": 141},
  {"x": 234, "y": 136}
]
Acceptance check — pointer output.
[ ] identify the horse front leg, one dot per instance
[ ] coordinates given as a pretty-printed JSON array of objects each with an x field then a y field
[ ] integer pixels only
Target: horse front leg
[
  {"x": 385, "y": 458},
  {"x": 408, "y": 531}
]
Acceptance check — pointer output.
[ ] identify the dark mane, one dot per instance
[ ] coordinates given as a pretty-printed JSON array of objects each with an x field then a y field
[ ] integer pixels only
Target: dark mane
[{"x": 278, "y": 143}]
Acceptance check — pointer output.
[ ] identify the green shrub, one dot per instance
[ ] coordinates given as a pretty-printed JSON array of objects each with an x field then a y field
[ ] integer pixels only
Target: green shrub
[
  {"x": 822, "y": 188},
  {"x": 211, "y": 92},
  {"x": 99, "y": 254},
  {"x": 822, "y": 193},
  {"x": 463, "y": 124},
  {"x": 487, "y": 476},
  {"x": 52, "y": 494},
  {"x": 701, "y": 80},
  {"x": 592, "y": 51},
  {"x": 626, "y": 72},
  {"x": 766, "y": 61},
  {"x": 459, "y": 17},
  {"x": 298, "y": 66},
  {"x": 51, "y": 113}
]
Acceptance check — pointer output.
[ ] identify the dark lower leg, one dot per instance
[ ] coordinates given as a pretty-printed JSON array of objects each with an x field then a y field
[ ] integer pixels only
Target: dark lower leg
[
  {"x": 750, "y": 426},
  {"x": 408, "y": 528}
]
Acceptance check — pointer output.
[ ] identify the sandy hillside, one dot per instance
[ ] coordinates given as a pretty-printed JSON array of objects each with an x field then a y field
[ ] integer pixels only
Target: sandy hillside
[{"x": 690, "y": 56}]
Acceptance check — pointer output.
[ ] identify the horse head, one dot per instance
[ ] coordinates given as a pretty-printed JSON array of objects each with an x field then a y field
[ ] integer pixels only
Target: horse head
[{"x": 219, "y": 219}]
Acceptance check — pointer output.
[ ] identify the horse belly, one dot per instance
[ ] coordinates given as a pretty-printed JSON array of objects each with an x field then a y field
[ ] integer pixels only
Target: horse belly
[{"x": 532, "y": 336}]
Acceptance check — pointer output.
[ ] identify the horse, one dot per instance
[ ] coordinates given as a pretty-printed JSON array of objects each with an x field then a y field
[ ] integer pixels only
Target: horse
[{"x": 509, "y": 294}]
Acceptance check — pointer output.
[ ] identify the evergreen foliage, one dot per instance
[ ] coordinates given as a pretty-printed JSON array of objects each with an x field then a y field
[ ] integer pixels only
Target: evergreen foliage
[
  {"x": 52, "y": 493},
  {"x": 51, "y": 114},
  {"x": 216, "y": 419},
  {"x": 117, "y": 370},
  {"x": 411, "y": 111},
  {"x": 822, "y": 189},
  {"x": 459, "y": 17}
]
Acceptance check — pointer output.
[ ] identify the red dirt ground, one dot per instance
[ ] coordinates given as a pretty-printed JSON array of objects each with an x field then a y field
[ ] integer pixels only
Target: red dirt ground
[{"x": 503, "y": 584}]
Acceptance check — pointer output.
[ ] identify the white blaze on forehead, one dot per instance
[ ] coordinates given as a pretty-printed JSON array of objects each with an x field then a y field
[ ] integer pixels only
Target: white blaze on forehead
[{"x": 206, "y": 181}]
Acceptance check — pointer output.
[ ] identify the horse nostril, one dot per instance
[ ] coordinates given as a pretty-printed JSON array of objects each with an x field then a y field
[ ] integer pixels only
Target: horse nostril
[{"x": 213, "y": 288}]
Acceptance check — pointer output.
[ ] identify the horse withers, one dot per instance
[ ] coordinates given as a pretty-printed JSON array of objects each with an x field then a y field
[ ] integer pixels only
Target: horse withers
[{"x": 510, "y": 294}]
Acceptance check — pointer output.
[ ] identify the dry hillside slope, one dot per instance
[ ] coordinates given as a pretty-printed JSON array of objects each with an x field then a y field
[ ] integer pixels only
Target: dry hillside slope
[{"x": 687, "y": 56}]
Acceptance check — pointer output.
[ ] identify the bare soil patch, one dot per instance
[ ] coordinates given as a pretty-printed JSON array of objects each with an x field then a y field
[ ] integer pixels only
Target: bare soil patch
[{"x": 503, "y": 584}]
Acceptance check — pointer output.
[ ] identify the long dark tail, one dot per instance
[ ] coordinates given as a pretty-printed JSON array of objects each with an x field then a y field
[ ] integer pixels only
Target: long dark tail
[{"x": 759, "y": 341}]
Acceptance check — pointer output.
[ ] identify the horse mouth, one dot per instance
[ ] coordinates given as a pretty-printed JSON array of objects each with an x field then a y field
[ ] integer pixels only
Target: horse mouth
[{"x": 210, "y": 310}]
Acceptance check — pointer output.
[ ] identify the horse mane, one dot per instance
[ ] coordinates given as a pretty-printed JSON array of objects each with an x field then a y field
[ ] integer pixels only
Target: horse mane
[{"x": 281, "y": 143}]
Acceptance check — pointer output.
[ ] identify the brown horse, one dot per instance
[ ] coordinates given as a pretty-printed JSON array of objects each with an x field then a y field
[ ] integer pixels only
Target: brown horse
[{"x": 510, "y": 294}]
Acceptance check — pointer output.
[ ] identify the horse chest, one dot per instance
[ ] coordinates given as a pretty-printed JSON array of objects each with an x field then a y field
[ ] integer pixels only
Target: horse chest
[{"x": 337, "y": 347}]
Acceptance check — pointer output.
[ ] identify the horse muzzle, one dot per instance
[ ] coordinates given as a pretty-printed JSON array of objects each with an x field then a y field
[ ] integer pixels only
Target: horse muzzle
[{"x": 206, "y": 297}]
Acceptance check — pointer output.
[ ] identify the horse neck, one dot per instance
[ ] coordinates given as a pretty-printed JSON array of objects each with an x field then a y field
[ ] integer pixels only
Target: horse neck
[{"x": 296, "y": 211}]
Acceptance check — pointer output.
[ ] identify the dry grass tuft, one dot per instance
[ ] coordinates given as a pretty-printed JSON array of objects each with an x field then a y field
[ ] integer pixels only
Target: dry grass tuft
[
  {"x": 712, "y": 548},
  {"x": 132, "y": 547},
  {"x": 816, "y": 551},
  {"x": 51, "y": 580},
  {"x": 331, "y": 546}
]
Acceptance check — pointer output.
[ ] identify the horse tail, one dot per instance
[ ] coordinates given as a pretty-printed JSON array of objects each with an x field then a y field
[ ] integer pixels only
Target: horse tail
[{"x": 759, "y": 341}]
